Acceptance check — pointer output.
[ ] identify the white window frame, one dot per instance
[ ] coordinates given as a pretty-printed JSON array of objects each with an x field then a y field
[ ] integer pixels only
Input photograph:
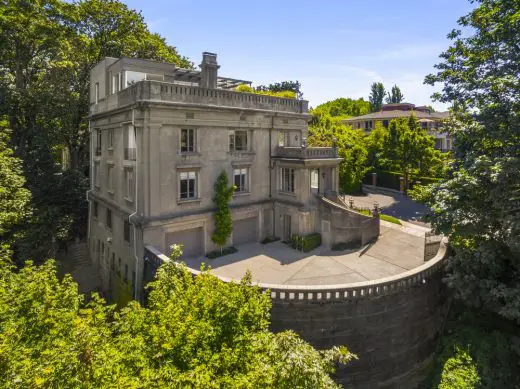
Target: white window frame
[
  {"x": 190, "y": 148},
  {"x": 233, "y": 140},
  {"x": 243, "y": 174},
  {"x": 96, "y": 93},
  {"x": 290, "y": 185},
  {"x": 189, "y": 176},
  {"x": 283, "y": 138}
]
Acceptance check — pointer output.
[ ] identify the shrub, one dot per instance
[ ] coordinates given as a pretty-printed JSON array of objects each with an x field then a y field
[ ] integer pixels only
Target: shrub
[
  {"x": 460, "y": 372},
  {"x": 307, "y": 242},
  {"x": 219, "y": 253}
]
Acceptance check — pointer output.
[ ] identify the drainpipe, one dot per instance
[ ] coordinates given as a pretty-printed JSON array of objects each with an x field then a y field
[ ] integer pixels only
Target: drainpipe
[
  {"x": 130, "y": 218},
  {"x": 91, "y": 183}
]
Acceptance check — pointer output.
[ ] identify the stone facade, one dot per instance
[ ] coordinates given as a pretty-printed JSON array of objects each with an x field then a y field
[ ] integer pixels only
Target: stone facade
[{"x": 159, "y": 138}]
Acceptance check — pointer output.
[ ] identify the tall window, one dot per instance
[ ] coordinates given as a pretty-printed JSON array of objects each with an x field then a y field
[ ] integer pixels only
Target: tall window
[
  {"x": 110, "y": 138},
  {"x": 240, "y": 179},
  {"x": 129, "y": 184},
  {"x": 96, "y": 174},
  {"x": 110, "y": 178},
  {"x": 109, "y": 218},
  {"x": 96, "y": 92},
  {"x": 385, "y": 123},
  {"x": 126, "y": 231},
  {"x": 368, "y": 125},
  {"x": 115, "y": 83},
  {"x": 130, "y": 143},
  {"x": 99, "y": 141},
  {"x": 283, "y": 139},
  {"x": 187, "y": 140},
  {"x": 315, "y": 181},
  {"x": 238, "y": 141},
  {"x": 287, "y": 179},
  {"x": 188, "y": 185}
]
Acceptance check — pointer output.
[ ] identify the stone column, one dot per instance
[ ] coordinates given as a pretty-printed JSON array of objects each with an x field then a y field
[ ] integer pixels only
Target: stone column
[{"x": 374, "y": 179}]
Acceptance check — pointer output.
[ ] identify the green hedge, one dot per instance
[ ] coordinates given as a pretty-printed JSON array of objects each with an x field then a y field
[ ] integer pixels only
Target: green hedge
[{"x": 307, "y": 242}]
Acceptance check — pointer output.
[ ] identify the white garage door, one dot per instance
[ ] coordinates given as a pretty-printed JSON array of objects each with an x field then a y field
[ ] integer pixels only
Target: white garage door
[
  {"x": 192, "y": 241},
  {"x": 245, "y": 230}
]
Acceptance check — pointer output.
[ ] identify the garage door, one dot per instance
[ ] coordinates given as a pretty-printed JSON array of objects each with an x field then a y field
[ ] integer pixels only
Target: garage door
[
  {"x": 192, "y": 241},
  {"x": 245, "y": 230}
]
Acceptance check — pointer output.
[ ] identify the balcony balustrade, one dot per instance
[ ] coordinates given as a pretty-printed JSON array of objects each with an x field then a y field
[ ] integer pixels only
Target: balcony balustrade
[{"x": 306, "y": 152}]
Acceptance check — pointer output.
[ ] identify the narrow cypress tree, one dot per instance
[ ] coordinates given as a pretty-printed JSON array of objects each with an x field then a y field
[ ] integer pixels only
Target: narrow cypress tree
[{"x": 223, "y": 221}]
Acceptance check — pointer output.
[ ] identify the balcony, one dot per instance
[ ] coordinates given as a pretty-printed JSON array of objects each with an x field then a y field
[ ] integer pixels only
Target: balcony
[
  {"x": 157, "y": 91},
  {"x": 306, "y": 152}
]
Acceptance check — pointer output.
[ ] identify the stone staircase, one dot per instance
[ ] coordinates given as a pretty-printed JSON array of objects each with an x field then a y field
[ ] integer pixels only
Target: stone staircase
[{"x": 76, "y": 261}]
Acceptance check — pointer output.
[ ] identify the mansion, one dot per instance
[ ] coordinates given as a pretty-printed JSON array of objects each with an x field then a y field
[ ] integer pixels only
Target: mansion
[
  {"x": 160, "y": 136},
  {"x": 431, "y": 121}
]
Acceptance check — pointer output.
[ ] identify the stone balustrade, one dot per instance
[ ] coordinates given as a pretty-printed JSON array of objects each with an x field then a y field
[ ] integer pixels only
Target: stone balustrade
[
  {"x": 157, "y": 91},
  {"x": 306, "y": 152},
  {"x": 350, "y": 291}
]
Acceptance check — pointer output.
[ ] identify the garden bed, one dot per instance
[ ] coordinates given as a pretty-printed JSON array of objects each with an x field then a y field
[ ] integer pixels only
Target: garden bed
[{"x": 218, "y": 253}]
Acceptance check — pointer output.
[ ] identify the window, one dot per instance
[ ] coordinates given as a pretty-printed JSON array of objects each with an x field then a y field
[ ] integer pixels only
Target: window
[
  {"x": 287, "y": 180},
  {"x": 129, "y": 184},
  {"x": 240, "y": 179},
  {"x": 126, "y": 231},
  {"x": 448, "y": 144},
  {"x": 368, "y": 125},
  {"x": 96, "y": 174},
  {"x": 283, "y": 139},
  {"x": 424, "y": 125},
  {"x": 96, "y": 92},
  {"x": 95, "y": 209},
  {"x": 115, "y": 83},
  {"x": 109, "y": 218},
  {"x": 187, "y": 140},
  {"x": 133, "y": 281},
  {"x": 358, "y": 125},
  {"x": 130, "y": 143},
  {"x": 438, "y": 143},
  {"x": 188, "y": 185},
  {"x": 110, "y": 138},
  {"x": 99, "y": 142},
  {"x": 385, "y": 123},
  {"x": 110, "y": 178},
  {"x": 315, "y": 180},
  {"x": 238, "y": 141}
]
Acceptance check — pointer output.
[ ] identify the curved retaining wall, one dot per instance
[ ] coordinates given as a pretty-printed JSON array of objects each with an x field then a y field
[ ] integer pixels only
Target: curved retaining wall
[{"x": 393, "y": 324}]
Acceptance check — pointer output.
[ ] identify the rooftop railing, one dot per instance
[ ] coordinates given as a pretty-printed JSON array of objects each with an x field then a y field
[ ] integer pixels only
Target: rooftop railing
[
  {"x": 306, "y": 152},
  {"x": 158, "y": 91}
]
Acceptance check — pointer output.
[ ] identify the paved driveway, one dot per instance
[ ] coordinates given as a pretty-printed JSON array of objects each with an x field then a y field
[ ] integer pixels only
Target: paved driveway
[
  {"x": 393, "y": 204},
  {"x": 277, "y": 263}
]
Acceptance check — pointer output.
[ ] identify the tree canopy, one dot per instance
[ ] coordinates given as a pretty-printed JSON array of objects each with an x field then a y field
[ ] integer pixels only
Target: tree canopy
[
  {"x": 377, "y": 95},
  {"x": 196, "y": 332},
  {"x": 46, "y": 53},
  {"x": 479, "y": 205},
  {"x": 395, "y": 96}
]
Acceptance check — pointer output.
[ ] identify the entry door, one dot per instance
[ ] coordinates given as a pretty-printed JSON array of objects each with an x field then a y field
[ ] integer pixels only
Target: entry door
[{"x": 286, "y": 228}]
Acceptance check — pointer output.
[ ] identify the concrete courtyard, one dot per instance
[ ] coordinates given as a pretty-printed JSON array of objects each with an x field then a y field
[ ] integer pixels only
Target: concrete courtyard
[{"x": 396, "y": 251}]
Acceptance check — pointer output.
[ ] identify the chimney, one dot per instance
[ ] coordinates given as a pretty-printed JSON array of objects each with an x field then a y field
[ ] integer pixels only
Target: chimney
[{"x": 209, "y": 70}]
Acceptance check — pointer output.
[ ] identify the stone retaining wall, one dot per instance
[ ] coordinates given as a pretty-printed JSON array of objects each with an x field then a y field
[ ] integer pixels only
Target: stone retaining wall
[{"x": 393, "y": 324}]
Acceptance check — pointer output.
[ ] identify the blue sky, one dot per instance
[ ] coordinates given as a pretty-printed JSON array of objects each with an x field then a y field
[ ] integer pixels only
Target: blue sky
[{"x": 334, "y": 48}]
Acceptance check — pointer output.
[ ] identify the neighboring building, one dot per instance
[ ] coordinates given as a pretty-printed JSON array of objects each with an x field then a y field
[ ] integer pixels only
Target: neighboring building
[
  {"x": 160, "y": 135},
  {"x": 430, "y": 121}
]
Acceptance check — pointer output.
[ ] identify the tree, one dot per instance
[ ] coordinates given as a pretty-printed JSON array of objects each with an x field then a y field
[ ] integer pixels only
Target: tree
[
  {"x": 377, "y": 94},
  {"x": 395, "y": 97},
  {"x": 478, "y": 205},
  {"x": 342, "y": 108},
  {"x": 408, "y": 148},
  {"x": 46, "y": 53},
  {"x": 14, "y": 198},
  {"x": 196, "y": 332},
  {"x": 223, "y": 221},
  {"x": 293, "y": 86}
]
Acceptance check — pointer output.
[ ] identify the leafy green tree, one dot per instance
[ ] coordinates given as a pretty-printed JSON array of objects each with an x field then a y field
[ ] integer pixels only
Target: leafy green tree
[
  {"x": 14, "y": 198},
  {"x": 223, "y": 221},
  {"x": 408, "y": 148},
  {"x": 460, "y": 372},
  {"x": 196, "y": 332},
  {"x": 47, "y": 50},
  {"x": 293, "y": 86},
  {"x": 341, "y": 108},
  {"x": 377, "y": 95},
  {"x": 395, "y": 96},
  {"x": 478, "y": 206}
]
